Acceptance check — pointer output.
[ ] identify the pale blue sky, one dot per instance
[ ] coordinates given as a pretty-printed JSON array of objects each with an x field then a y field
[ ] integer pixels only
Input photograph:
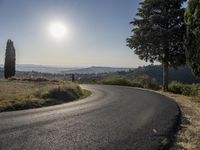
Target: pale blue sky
[{"x": 97, "y": 32}]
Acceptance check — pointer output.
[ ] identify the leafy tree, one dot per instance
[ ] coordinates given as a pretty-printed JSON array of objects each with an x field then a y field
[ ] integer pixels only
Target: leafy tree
[
  {"x": 158, "y": 32},
  {"x": 192, "y": 40},
  {"x": 9, "y": 66}
]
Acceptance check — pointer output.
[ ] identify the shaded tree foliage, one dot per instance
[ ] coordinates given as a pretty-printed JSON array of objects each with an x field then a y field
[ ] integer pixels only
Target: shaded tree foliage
[
  {"x": 192, "y": 40},
  {"x": 9, "y": 66},
  {"x": 158, "y": 32}
]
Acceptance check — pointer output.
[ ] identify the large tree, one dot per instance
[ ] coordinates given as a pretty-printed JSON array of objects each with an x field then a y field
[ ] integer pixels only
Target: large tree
[
  {"x": 192, "y": 40},
  {"x": 9, "y": 66},
  {"x": 158, "y": 31}
]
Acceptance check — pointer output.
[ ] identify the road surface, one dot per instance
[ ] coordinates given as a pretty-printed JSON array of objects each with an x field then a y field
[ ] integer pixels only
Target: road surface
[{"x": 112, "y": 118}]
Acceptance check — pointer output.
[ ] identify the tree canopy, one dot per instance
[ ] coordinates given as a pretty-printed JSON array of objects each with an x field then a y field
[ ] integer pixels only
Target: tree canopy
[
  {"x": 158, "y": 31},
  {"x": 192, "y": 40}
]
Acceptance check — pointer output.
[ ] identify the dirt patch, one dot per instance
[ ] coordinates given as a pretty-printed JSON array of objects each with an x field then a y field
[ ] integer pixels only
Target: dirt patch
[{"x": 188, "y": 137}]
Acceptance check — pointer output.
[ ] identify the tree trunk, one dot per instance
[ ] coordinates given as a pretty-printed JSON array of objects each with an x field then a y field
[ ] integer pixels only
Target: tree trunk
[{"x": 165, "y": 75}]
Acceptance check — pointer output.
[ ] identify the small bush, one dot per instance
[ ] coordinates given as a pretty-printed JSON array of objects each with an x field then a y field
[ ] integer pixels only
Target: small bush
[
  {"x": 136, "y": 84},
  {"x": 142, "y": 82},
  {"x": 63, "y": 93},
  {"x": 147, "y": 82},
  {"x": 176, "y": 87},
  {"x": 188, "y": 90},
  {"x": 35, "y": 79},
  {"x": 12, "y": 79},
  {"x": 117, "y": 81},
  {"x": 196, "y": 90}
]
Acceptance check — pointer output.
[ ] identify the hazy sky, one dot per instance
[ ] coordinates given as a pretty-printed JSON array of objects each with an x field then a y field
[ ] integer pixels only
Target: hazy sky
[{"x": 97, "y": 32}]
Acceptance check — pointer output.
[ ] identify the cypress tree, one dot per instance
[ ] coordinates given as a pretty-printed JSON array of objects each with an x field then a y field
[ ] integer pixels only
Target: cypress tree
[
  {"x": 192, "y": 40},
  {"x": 158, "y": 32},
  {"x": 73, "y": 78},
  {"x": 9, "y": 66}
]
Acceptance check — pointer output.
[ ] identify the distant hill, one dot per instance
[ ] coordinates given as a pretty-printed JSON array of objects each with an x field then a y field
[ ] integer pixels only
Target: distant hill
[
  {"x": 40, "y": 68},
  {"x": 95, "y": 70},
  {"x": 50, "y": 69},
  {"x": 87, "y": 75},
  {"x": 182, "y": 74}
]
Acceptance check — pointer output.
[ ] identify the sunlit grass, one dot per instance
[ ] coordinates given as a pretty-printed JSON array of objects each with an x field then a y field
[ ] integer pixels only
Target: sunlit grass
[{"x": 17, "y": 94}]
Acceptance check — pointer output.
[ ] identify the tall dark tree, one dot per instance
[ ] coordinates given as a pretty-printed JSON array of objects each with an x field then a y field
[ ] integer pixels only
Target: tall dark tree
[
  {"x": 73, "y": 78},
  {"x": 158, "y": 32},
  {"x": 9, "y": 66},
  {"x": 192, "y": 40}
]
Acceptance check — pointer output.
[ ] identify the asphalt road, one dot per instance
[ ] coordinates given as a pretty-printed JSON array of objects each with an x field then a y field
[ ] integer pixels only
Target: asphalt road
[{"x": 112, "y": 118}]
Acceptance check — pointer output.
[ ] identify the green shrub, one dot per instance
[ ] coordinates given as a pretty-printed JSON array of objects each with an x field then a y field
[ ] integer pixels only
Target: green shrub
[
  {"x": 117, "y": 81},
  {"x": 196, "y": 90},
  {"x": 142, "y": 82},
  {"x": 187, "y": 90},
  {"x": 63, "y": 93},
  {"x": 136, "y": 84},
  {"x": 147, "y": 82},
  {"x": 176, "y": 87}
]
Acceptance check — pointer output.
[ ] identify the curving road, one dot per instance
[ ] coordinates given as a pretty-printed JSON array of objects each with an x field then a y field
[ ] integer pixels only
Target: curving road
[{"x": 112, "y": 118}]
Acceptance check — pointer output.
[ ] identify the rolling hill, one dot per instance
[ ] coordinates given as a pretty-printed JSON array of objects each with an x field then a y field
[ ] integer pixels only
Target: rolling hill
[
  {"x": 95, "y": 70},
  {"x": 87, "y": 75},
  {"x": 182, "y": 74},
  {"x": 64, "y": 70}
]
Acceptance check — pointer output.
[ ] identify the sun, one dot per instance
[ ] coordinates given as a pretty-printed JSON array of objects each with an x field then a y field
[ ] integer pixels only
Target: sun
[{"x": 58, "y": 30}]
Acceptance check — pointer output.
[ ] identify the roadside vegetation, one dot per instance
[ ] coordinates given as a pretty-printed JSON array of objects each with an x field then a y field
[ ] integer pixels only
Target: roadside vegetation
[
  {"x": 141, "y": 82},
  {"x": 175, "y": 87},
  {"x": 157, "y": 34},
  {"x": 18, "y": 94},
  {"x": 184, "y": 89}
]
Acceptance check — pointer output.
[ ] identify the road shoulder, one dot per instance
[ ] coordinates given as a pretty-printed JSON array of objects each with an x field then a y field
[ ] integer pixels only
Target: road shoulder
[{"x": 188, "y": 136}]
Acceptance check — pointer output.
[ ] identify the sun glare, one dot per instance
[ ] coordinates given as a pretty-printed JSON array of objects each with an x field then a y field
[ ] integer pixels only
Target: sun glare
[{"x": 58, "y": 30}]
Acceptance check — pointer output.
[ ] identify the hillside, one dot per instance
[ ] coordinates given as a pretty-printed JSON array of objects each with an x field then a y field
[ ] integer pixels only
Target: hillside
[
  {"x": 64, "y": 70},
  {"x": 182, "y": 74},
  {"x": 95, "y": 70},
  {"x": 88, "y": 75},
  {"x": 40, "y": 68}
]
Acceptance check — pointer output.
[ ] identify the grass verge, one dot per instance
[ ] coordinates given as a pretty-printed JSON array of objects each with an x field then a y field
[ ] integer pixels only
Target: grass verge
[{"x": 20, "y": 94}]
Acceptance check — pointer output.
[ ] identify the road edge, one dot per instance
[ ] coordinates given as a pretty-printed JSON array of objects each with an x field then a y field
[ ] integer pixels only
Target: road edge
[
  {"x": 171, "y": 135},
  {"x": 176, "y": 126}
]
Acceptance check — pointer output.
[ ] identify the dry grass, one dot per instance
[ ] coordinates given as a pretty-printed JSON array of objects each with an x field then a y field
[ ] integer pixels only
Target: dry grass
[
  {"x": 188, "y": 138},
  {"x": 17, "y": 95}
]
